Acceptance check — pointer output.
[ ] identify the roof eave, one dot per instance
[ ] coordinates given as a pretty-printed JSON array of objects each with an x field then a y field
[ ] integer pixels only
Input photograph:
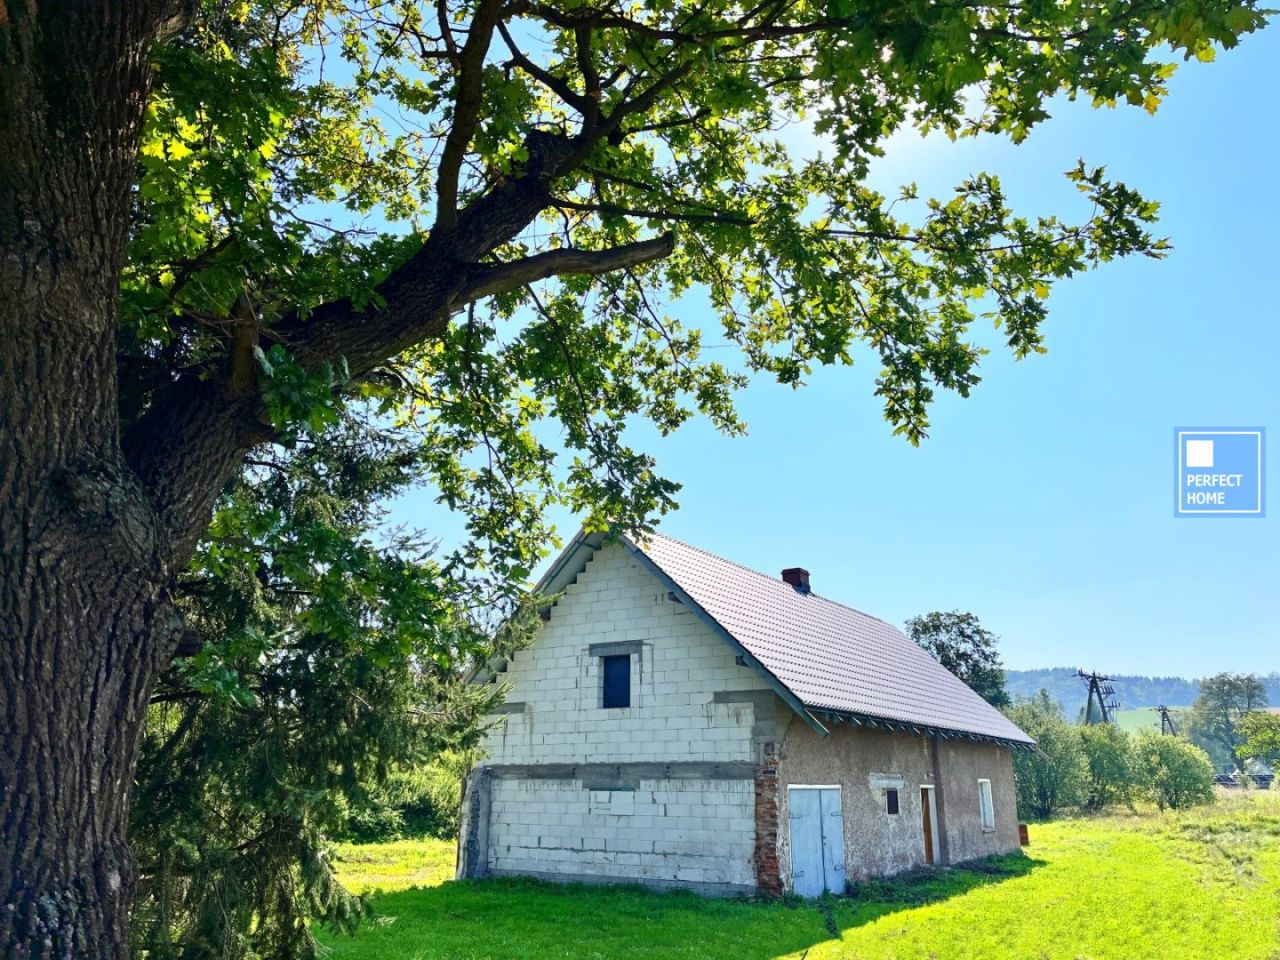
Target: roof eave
[
  {"x": 571, "y": 562},
  {"x": 778, "y": 687},
  {"x": 920, "y": 729}
]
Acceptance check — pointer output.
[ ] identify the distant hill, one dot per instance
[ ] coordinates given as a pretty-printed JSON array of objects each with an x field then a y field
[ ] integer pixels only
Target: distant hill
[{"x": 1132, "y": 691}]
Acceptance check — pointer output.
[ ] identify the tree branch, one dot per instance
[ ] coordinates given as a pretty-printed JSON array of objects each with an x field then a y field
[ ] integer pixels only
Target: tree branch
[
  {"x": 728, "y": 219},
  {"x": 466, "y": 110},
  {"x": 508, "y": 276},
  {"x": 585, "y": 106}
]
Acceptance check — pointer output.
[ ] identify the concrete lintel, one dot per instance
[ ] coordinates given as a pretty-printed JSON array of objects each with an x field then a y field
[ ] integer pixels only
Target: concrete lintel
[
  {"x": 612, "y": 784},
  {"x": 627, "y": 772},
  {"x": 517, "y": 706},
  {"x": 764, "y": 711},
  {"x": 886, "y": 781},
  {"x": 618, "y": 648}
]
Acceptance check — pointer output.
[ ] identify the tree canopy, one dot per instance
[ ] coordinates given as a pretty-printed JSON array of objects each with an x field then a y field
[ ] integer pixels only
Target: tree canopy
[
  {"x": 323, "y": 188},
  {"x": 1171, "y": 771},
  {"x": 961, "y": 644},
  {"x": 1056, "y": 774},
  {"x": 1260, "y": 737},
  {"x": 1225, "y": 700}
]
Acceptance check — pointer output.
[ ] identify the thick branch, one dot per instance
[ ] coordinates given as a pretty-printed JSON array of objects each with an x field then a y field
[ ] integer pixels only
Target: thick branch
[
  {"x": 195, "y": 434},
  {"x": 466, "y": 111},
  {"x": 553, "y": 263}
]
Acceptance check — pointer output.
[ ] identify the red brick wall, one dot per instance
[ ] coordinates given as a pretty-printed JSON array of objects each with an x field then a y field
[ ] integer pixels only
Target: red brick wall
[{"x": 768, "y": 879}]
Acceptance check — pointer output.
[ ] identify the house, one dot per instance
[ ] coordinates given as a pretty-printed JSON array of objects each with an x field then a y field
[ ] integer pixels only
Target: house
[{"x": 682, "y": 721}]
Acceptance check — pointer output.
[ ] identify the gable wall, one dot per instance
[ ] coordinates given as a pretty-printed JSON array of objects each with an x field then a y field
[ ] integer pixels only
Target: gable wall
[
  {"x": 555, "y": 684},
  {"x": 662, "y": 792}
]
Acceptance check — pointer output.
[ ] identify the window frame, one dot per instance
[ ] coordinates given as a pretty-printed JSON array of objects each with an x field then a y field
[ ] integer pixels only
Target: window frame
[
  {"x": 892, "y": 801},
  {"x": 986, "y": 805},
  {"x": 605, "y": 662}
]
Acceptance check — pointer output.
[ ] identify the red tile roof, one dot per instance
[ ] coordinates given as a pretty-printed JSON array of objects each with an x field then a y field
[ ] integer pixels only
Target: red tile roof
[{"x": 831, "y": 657}]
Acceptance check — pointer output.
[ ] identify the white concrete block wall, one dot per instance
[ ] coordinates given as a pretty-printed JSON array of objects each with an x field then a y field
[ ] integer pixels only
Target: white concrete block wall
[
  {"x": 673, "y": 680},
  {"x": 698, "y": 832},
  {"x": 685, "y": 831}
]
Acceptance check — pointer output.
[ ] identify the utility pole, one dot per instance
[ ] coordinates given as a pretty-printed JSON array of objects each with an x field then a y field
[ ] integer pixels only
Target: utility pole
[
  {"x": 1102, "y": 704},
  {"x": 1166, "y": 721}
]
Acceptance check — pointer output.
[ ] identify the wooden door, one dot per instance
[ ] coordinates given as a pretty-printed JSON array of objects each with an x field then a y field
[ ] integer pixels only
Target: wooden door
[
  {"x": 926, "y": 813},
  {"x": 817, "y": 840},
  {"x": 832, "y": 840}
]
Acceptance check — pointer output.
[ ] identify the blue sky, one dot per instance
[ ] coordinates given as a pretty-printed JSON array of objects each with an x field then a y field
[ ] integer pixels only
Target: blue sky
[{"x": 1044, "y": 502}]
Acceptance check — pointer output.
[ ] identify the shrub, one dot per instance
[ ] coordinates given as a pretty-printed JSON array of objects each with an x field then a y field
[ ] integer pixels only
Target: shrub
[
  {"x": 1057, "y": 776},
  {"x": 1173, "y": 772},
  {"x": 1108, "y": 752},
  {"x": 1261, "y": 734},
  {"x": 418, "y": 801}
]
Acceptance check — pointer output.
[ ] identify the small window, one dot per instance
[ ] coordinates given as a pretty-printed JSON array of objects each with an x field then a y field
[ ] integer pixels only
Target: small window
[
  {"x": 617, "y": 681},
  {"x": 891, "y": 801},
  {"x": 985, "y": 805}
]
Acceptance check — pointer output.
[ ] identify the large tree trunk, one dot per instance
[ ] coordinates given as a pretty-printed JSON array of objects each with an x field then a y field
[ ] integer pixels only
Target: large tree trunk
[
  {"x": 85, "y": 626},
  {"x": 86, "y": 617},
  {"x": 93, "y": 525}
]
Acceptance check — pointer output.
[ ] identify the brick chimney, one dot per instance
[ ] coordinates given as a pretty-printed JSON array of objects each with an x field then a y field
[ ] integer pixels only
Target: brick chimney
[{"x": 798, "y": 577}]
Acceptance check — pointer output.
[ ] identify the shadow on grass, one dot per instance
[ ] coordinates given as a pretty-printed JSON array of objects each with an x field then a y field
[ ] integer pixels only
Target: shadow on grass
[
  {"x": 531, "y": 920},
  {"x": 876, "y": 898}
]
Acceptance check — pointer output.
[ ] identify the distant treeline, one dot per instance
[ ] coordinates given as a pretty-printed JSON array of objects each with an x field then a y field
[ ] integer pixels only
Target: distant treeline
[{"x": 1132, "y": 691}]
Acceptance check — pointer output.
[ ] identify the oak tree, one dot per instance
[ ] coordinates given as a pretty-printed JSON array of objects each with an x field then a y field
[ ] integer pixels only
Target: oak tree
[
  {"x": 223, "y": 223},
  {"x": 1225, "y": 700},
  {"x": 964, "y": 646}
]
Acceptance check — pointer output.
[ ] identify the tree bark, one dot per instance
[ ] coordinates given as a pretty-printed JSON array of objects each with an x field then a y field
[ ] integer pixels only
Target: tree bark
[
  {"x": 86, "y": 616},
  {"x": 93, "y": 524}
]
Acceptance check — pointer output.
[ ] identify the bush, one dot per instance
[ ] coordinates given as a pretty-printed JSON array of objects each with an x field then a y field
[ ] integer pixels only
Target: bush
[
  {"x": 1171, "y": 771},
  {"x": 1058, "y": 775},
  {"x": 420, "y": 801},
  {"x": 1109, "y": 755}
]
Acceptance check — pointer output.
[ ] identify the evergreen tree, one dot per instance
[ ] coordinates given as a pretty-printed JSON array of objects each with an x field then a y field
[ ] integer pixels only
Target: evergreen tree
[{"x": 331, "y": 652}]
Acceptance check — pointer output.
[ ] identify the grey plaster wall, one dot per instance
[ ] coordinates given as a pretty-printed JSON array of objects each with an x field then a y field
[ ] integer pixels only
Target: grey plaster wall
[
  {"x": 961, "y": 765},
  {"x": 866, "y": 763}
]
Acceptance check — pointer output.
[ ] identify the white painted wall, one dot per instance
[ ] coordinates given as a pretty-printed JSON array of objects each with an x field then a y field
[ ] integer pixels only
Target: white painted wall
[
  {"x": 672, "y": 716},
  {"x": 698, "y": 832}
]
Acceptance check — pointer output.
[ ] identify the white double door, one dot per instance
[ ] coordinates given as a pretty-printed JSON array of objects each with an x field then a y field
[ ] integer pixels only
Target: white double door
[{"x": 817, "y": 840}]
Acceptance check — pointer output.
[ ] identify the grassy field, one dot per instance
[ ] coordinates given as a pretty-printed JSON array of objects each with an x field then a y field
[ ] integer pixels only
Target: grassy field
[
  {"x": 1202, "y": 884},
  {"x": 1142, "y": 717}
]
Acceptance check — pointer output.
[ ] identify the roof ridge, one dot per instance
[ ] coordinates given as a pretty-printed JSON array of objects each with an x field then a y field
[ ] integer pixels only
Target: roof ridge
[{"x": 770, "y": 578}]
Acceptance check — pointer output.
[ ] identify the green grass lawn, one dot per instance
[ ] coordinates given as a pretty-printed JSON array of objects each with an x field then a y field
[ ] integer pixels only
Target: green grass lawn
[
  {"x": 1201, "y": 884},
  {"x": 398, "y": 865}
]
